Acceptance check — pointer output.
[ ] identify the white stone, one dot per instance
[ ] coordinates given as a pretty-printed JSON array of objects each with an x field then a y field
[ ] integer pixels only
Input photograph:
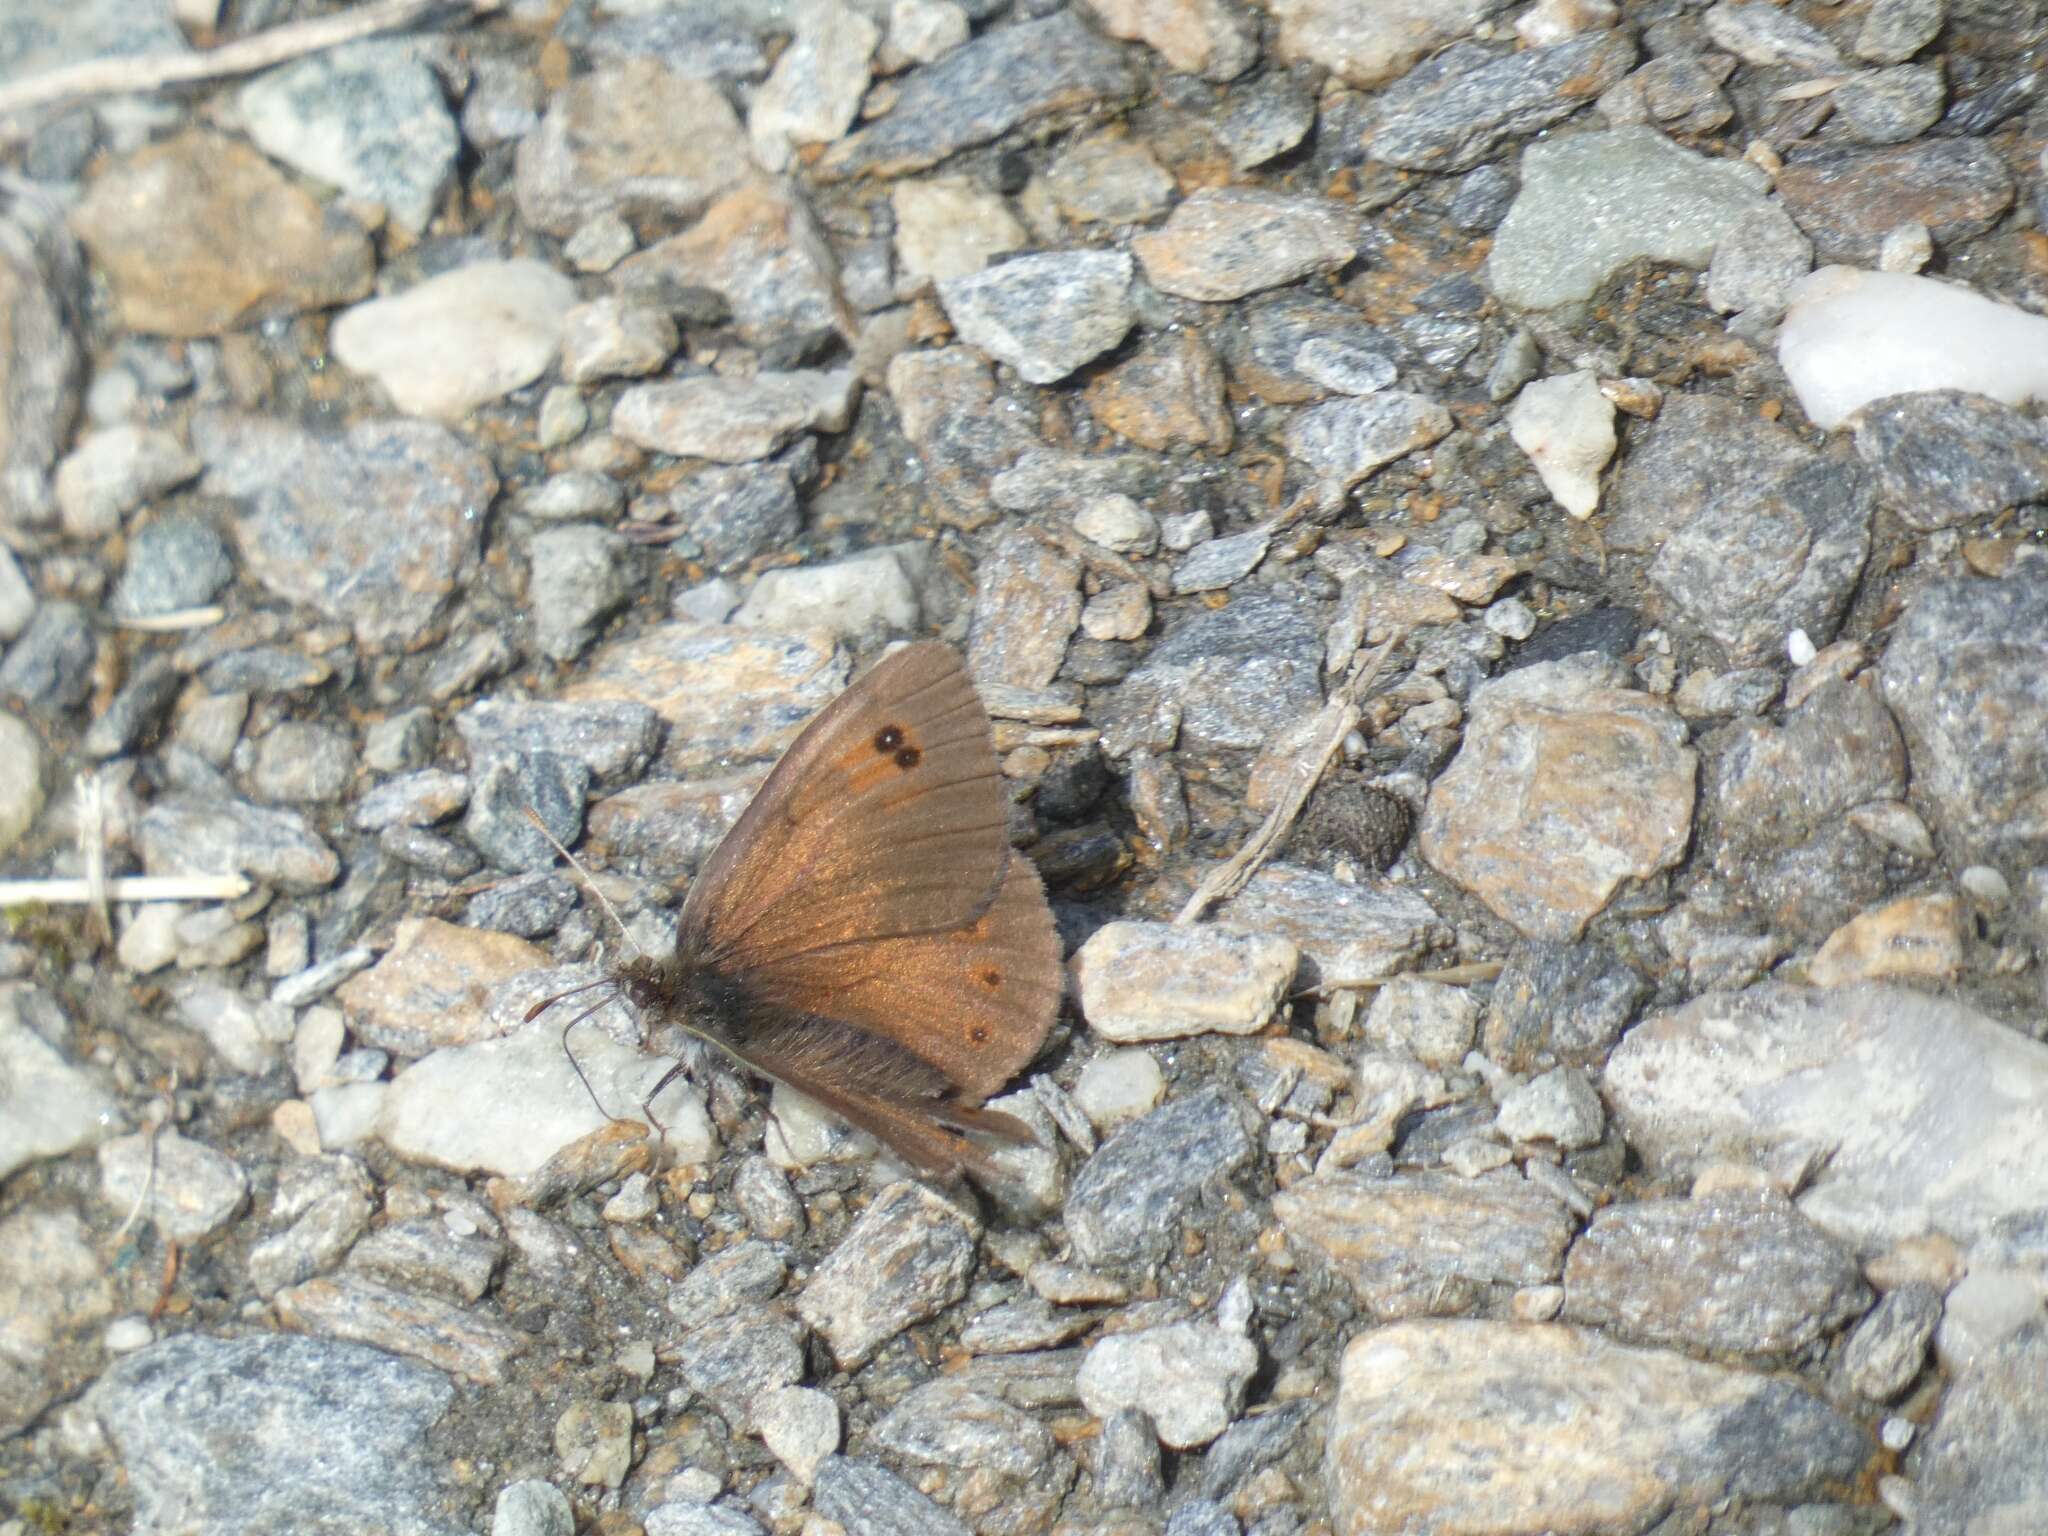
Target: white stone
[
  {"x": 1426, "y": 1020},
  {"x": 1548, "y": 22},
  {"x": 1119, "y": 1086},
  {"x": 924, "y": 30},
  {"x": 507, "y": 1105},
  {"x": 864, "y": 597},
  {"x": 815, "y": 89},
  {"x": 149, "y": 939},
  {"x": 1560, "y": 1106},
  {"x": 316, "y": 1046},
  {"x": 1851, "y": 337},
  {"x": 17, "y": 597},
  {"x": 1189, "y": 1377},
  {"x": 802, "y": 1131},
  {"x": 1933, "y": 1117},
  {"x": 185, "y": 1187},
  {"x": 1158, "y": 981},
  {"x": 21, "y": 780},
  {"x": 1116, "y": 522},
  {"x": 948, "y": 227},
  {"x": 48, "y": 1107},
  {"x": 800, "y": 1427},
  {"x": 1566, "y": 427},
  {"x": 347, "y": 1114},
  {"x": 1986, "y": 1307},
  {"x": 457, "y": 341},
  {"x": 125, "y": 1335}
]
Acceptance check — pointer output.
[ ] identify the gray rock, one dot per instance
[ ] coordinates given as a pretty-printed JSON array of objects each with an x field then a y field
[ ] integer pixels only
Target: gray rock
[
  {"x": 1737, "y": 1274},
  {"x": 1556, "y": 1002},
  {"x": 1129, "y": 1199},
  {"x": 50, "y": 667},
  {"x": 1044, "y": 315},
  {"x": 1202, "y": 1517},
  {"x": 374, "y": 527},
  {"x": 368, "y": 118},
  {"x": 1757, "y": 261},
  {"x": 736, "y": 512},
  {"x": 1345, "y": 441},
  {"x": 869, "y": 1500},
  {"x": 1967, "y": 675},
  {"x": 17, "y": 597},
  {"x": 299, "y": 762},
  {"x": 276, "y": 1434},
  {"x": 1981, "y": 1465},
  {"x": 1251, "y": 1445},
  {"x": 1889, "y": 1347},
  {"x": 1406, "y": 1243},
  {"x": 138, "y": 709},
  {"x": 412, "y": 800},
  {"x": 185, "y": 1187},
  {"x": 738, "y": 1357},
  {"x": 1127, "y": 1472},
  {"x": 581, "y": 576},
  {"x": 1006, "y": 77},
  {"x": 1894, "y": 30},
  {"x": 1027, "y": 604},
  {"x": 185, "y": 836},
  {"x": 1347, "y": 932},
  {"x": 422, "y": 1253},
  {"x": 42, "y": 282},
  {"x": 1220, "y": 563},
  {"x": 1891, "y": 106},
  {"x": 532, "y": 1508},
  {"x": 613, "y": 738},
  {"x": 1750, "y": 533},
  {"x": 531, "y": 905},
  {"x": 173, "y": 563},
  {"x": 736, "y": 419},
  {"x": 48, "y": 1106},
  {"x": 1454, "y": 110},
  {"x": 943, "y": 1424},
  {"x": 573, "y": 495},
  {"x": 1016, "y": 1327},
  {"x": 907, "y": 1259},
  {"x": 1226, "y": 677},
  {"x": 1848, "y": 200},
  {"x": 764, "y": 1197},
  {"x": 1559, "y": 1107},
  {"x": 504, "y": 789},
  {"x": 1944, "y": 457},
  {"x": 1263, "y": 120},
  {"x": 1593, "y": 202},
  {"x": 1764, "y": 35}
]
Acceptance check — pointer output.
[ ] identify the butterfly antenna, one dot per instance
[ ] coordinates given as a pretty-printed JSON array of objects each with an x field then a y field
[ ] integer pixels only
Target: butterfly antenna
[
  {"x": 588, "y": 884},
  {"x": 573, "y": 1062}
]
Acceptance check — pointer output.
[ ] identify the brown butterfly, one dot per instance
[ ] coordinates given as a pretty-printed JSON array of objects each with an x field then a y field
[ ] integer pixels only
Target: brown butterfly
[{"x": 865, "y": 934}]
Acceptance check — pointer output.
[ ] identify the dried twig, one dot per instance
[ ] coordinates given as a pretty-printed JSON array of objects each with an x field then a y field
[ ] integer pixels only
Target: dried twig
[
  {"x": 244, "y": 56},
  {"x": 1337, "y": 719},
  {"x": 172, "y": 623},
  {"x": 75, "y": 891}
]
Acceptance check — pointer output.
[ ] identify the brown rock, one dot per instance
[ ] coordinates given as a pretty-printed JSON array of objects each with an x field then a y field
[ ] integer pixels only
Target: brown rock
[
  {"x": 431, "y": 987},
  {"x": 635, "y": 140},
  {"x": 1215, "y": 39},
  {"x": 1483, "y": 1426},
  {"x": 1568, "y": 783},
  {"x": 200, "y": 234},
  {"x": 1170, "y": 395},
  {"x": 1917, "y": 939},
  {"x": 1026, "y": 607},
  {"x": 1227, "y": 242},
  {"x": 1848, "y": 200}
]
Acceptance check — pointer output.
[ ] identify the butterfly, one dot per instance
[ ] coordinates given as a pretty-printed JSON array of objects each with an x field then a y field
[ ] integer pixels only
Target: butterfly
[{"x": 865, "y": 934}]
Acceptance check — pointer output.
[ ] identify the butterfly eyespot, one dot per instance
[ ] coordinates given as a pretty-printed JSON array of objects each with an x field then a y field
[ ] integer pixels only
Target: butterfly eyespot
[
  {"x": 889, "y": 738},
  {"x": 991, "y": 978},
  {"x": 978, "y": 1034},
  {"x": 909, "y": 758}
]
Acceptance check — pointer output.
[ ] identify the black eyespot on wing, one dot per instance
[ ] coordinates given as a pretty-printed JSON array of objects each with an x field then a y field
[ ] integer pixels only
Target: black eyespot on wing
[
  {"x": 991, "y": 978},
  {"x": 888, "y": 738},
  {"x": 978, "y": 1033},
  {"x": 908, "y": 758}
]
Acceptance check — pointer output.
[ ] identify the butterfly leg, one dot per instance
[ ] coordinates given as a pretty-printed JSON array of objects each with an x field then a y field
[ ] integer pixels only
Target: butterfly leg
[{"x": 676, "y": 1070}]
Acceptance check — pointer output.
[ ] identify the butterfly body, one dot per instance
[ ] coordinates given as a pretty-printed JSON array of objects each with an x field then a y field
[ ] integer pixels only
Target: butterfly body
[{"x": 865, "y": 933}]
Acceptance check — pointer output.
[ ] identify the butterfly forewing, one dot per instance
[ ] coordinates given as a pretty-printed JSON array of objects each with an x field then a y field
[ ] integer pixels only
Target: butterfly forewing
[
  {"x": 975, "y": 1001},
  {"x": 885, "y": 819}
]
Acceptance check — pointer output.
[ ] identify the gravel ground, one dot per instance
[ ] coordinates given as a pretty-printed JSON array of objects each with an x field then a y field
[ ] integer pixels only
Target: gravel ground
[{"x": 1614, "y": 1106}]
